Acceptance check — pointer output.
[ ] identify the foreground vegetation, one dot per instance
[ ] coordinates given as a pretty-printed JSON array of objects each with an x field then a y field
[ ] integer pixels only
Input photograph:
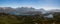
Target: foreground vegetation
[{"x": 36, "y": 19}]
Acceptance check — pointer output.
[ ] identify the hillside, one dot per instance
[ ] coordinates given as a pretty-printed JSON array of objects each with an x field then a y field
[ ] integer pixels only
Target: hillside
[{"x": 36, "y": 19}]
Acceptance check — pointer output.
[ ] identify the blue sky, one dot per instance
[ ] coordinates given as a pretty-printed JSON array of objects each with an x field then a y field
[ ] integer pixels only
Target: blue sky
[{"x": 46, "y": 4}]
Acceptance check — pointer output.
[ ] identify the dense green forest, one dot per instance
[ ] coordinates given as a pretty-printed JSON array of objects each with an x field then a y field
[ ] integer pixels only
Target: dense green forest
[{"x": 36, "y": 19}]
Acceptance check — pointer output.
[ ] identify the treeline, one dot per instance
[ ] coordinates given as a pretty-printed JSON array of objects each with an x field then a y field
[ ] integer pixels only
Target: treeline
[{"x": 36, "y": 19}]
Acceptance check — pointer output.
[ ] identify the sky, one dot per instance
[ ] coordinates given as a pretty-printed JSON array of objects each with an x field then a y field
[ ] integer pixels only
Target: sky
[{"x": 46, "y": 4}]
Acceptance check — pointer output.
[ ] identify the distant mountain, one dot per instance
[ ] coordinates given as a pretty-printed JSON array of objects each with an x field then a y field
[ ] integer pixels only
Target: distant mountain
[
  {"x": 43, "y": 11},
  {"x": 1, "y": 9},
  {"x": 55, "y": 10},
  {"x": 6, "y": 9},
  {"x": 22, "y": 10}
]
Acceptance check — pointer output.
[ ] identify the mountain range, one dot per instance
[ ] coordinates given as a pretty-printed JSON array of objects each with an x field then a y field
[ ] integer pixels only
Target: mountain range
[{"x": 25, "y": 10}]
